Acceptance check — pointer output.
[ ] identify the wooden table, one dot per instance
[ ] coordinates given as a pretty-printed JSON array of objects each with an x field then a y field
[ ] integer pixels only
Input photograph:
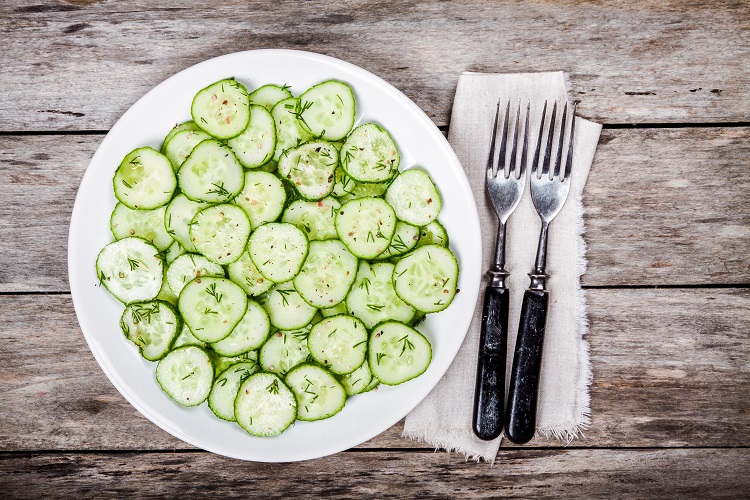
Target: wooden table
[{"x": 667, "y": 217}]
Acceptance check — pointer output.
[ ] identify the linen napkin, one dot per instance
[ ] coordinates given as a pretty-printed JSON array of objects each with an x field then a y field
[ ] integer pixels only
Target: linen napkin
[{"x": 444, "y": 418}]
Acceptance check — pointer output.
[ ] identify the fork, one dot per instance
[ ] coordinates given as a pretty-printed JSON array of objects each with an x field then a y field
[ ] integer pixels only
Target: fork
[
  {"x": 504, "y": 191},
  {"x": 549, "y": 190}
]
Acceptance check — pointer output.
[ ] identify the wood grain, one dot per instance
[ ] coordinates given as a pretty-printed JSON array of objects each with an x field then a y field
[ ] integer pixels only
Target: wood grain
[
  {"x": 669, "y": 207},
  {"x": 80, "y": 65},
  {"x": 693, "y": 473},
  {"x": 670, "y": 369},
  {"x": 663, "y": 207}
]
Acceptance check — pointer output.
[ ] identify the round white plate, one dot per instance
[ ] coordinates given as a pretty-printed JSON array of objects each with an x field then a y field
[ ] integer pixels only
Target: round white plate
[{"x": 145, "y": 124}]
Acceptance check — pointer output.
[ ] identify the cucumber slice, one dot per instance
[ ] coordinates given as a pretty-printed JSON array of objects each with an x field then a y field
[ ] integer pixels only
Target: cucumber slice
[
  {"x": 373, "y": 299},
  {"x": 339, "y": 308},
  {"x": 130, "y": 269},
  {"x": 269, "y": 167},
  {"x": 178, "y": 128},
  {"x": 426, "y": 278},
  {"x": 144, "y": 180},
  {"x": 256, "y": 145},
  {"x": 186, "y": 375},
  {"x": 180, "y": 146},
  {"x": 225, "y": 388},
  {"x": 319, "y": 395},
  {"x": 152, "y": 326},
  {"x": 398, "y": 353},
  {"x": 345, "y": 188},
  {"x": 165, "y": 293},
  {"x": 177, "y": 217},
  {"x": 186, "y": 337},
  {"x": 146, "y": 224},
  {"x": 433, "y": 234},
  {"x": 339, "y": 343},
  {"x": 284, "y": 350},
  {"x": 174, "y": 251},
  {"x": 244, "y": 273},
  {"x": 315, "y": 218},
  {"x": 404, "y": 238},
  {"x": 262, "y": 198},
  {"x": 289, "y": 131},
  {"x": 222, "y": 109},
  {"x": 268, "y": 95},
  {"x": 189, "y": 266},
  {"x": 212, "y": 307},
  {"x": 369, "y": 154},
  {"x": 414, "y": 197},
  {"x": 211, "y": 174},
  {"x": 357, "y": 381},
  {"x": 366, "y": 189},
  {"x": 221, "y": 363},
  {"x": 316, "y": 319},
  {"x": 286, "y": 308},
  {"x": 366, "y": 226},
  {"x": 309, "y": 168},
  {"x": 220, "y": 233},
  {"x": 327, "y": 110},
  {"x": 343, "y": 185},
  {"x": 278, "y": 250},
  {"x": 374, "y": 382},
  {"x": 327, "y": 274},
  {"x": 264, "y": 405},
  {"x": 248, "y": 335}
]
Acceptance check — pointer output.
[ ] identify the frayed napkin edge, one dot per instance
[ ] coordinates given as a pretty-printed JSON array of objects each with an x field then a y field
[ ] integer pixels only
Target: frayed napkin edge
[
  {"x": 574, "y": 429},
  {"x": 443, "y": 445}
]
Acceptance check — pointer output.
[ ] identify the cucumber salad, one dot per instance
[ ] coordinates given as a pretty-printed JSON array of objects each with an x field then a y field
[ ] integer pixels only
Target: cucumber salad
[{"x": 274, "y": 257}]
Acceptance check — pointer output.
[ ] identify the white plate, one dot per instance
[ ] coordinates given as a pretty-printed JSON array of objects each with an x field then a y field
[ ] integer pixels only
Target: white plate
[{"x": 146, "y": 124}]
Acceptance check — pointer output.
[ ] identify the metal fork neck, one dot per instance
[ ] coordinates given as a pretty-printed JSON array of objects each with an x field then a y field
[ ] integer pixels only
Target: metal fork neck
[
  {"x": 498, "y": 274},
  {"x": 539, "y": 276}
]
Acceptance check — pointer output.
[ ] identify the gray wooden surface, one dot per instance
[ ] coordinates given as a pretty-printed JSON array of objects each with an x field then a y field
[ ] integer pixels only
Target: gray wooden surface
[{"x": 667, "y": 218}]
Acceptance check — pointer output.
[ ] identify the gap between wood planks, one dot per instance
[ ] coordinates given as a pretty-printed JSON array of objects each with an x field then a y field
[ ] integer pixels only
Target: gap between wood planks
[
  {"x": 585, "y": 287},
  {"x": 424, "y": 450},
  {"x": 442, "y": 128}
]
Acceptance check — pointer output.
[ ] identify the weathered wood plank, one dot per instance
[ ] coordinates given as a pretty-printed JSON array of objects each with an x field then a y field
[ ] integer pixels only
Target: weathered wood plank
[
  {"x": 670, "y": 369},
  {"x": 694, "y": 473},
  {"x": 669, "y": 206},
  {"x": 40, "y": 175},
  {"x": 663, "y": 206},
  {"x": 79, "y": 65}
]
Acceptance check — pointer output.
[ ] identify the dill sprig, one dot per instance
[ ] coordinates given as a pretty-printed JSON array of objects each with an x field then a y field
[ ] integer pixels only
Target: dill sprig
[
  {"x": 284, "y": 294},
  {"x": 407, "y": 344},
  {"x": 218, "y": 189},
  {"x": 144, "y": 311},
  {"x": 211, "y": 290},
  {"x": 273, "y": 387}
]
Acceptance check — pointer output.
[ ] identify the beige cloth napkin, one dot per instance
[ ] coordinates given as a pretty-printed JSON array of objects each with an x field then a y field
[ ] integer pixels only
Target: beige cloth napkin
[{"x": 444, "y": 418}]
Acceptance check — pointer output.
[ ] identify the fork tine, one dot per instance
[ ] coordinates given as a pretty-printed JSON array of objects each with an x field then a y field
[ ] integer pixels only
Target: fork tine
[
  {"x": 525, "y": 147},
  {"x": 548, "y": 148},
  {"x": 503, "y": 142},
  {"x": 514, "y": 147},
  {"x": 558, "y": 159},
  {"x": 491, "y": 159},
  {"x": 535, "y": 163},
  {"x": 569, "y": 160}
]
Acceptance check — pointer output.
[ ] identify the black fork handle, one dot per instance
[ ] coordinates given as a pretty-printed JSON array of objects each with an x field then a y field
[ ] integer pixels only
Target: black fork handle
[
  {"x": 527, "y": 362},
  {"x": 489, "y": 394}
]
